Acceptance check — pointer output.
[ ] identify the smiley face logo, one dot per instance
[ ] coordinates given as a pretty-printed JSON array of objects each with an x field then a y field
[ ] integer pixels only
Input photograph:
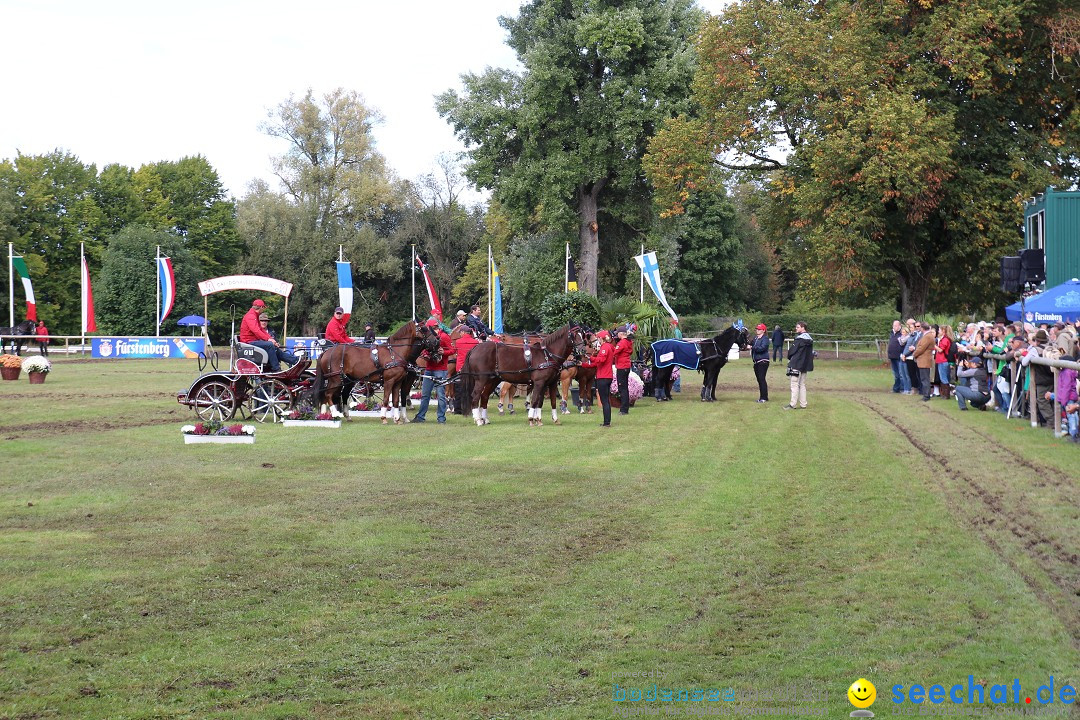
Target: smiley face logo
[{"x": 862, "y": 693}]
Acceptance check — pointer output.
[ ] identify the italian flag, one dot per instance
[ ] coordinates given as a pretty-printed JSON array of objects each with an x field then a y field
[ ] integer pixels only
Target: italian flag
[{"x": 31, "y": 304}]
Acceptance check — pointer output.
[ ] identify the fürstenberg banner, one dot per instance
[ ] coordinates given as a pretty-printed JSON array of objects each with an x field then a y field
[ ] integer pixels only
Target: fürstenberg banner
[{"x": 147, "y": 347}]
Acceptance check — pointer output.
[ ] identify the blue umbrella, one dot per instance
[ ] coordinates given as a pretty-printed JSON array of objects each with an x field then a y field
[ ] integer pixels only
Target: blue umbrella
[
  {"x": 198, "y": 320},
  {"x": 1058, "y": 304}
]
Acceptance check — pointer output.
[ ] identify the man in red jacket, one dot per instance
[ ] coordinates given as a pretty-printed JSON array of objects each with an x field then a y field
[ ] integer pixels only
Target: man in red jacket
[
  {"x": 435, "y": 371},
  {"x": 624, "y": 349},
  {"x": 335, "y": 329},
  {"x": 252, "y": 333},
  {"x": 602, "y": 360}
]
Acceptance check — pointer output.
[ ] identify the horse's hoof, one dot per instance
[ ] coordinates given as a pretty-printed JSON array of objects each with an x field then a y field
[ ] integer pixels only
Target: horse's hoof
[
  {"x": 557, "y": 422},
  {"x": 385, "y": 421}
]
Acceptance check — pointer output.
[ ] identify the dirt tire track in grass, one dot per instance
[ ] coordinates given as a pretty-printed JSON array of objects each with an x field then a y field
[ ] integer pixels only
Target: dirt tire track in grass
[{"x": 987, "y": 513}]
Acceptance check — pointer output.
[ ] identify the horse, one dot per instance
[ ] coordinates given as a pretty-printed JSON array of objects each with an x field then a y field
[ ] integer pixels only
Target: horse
[
  {"x": 346, "y": 365},
  {"x": 26, "y": 328},
  {"x": 663, "y": 378},
  {"x": 490, "y": 363},
  {"x": 585, "y": 376},
  {"x": 714, "y": 356},
  {"x": 509, "y": 391}
]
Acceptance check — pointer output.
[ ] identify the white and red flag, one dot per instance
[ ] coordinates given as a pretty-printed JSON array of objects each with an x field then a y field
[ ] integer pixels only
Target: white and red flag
[
  {"x": 436, "y": 307},
  {"x": 88, "y": 322}
]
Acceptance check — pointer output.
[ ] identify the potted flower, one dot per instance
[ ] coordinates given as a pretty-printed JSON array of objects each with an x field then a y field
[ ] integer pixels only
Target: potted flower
[
  {"x": 216, "y": 432},
  {"x": 305, "y": 416},
  {"x": 364, "y": 407},
  {"x": 37, "y": 368},
  {"x": 10, "y": 366}
]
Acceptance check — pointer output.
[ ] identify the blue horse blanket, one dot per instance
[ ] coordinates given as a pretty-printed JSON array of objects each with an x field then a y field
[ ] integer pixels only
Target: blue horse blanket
[{"x": 676, "y": 352}]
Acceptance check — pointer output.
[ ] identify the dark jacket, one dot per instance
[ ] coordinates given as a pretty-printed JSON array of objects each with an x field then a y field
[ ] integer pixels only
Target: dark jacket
[
  {"x": 760, "y": 349},
  {"x": 801, "y": 354},
  {"x": 778, "y": 337},
  {"x": 895, "y": 346},
  {"x": 977, "y": 378},
  {"x": 478, "y": 326}
]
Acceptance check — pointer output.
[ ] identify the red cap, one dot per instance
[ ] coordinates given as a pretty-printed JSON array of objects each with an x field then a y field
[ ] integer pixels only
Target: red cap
[
  {"x": 259, "y": 303},
  {"x": 603, "y": 335},
  {"x": 432, "y": 322},
  {"x": 762, "y": 326}
]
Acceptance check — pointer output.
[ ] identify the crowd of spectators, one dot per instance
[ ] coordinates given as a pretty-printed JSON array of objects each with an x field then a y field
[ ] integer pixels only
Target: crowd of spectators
[{"x": 936, "y": 361}]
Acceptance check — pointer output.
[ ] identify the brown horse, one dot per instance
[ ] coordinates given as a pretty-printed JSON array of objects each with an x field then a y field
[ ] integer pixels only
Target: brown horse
[
  {"x": 585, "y": 376},
  {"x": 537, "y": 365},
  {"x": 390, "y": 364}
]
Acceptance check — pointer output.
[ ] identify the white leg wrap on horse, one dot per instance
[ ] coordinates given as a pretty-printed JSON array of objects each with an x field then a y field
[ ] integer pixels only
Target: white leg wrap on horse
[
  {"x": 554, "y": 415},
  {"x": 476, "y": 415},
  {"x": 483, "y": 415},
  {"x": 382, "y": 411}
]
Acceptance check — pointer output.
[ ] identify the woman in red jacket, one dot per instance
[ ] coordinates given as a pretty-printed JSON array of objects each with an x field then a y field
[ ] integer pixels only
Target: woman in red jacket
[
  {"x": 603, "y": 360},
  {"x": 624, "y": 349}
]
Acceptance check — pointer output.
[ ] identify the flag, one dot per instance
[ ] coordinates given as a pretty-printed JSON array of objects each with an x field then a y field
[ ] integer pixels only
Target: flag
[
  {"x": 496, "y": 295},
  {"x": 24, "y": 274},
  {"x": 651, "y": 270},
  {"x": 168, "y": 288},
  {"x": 345, "y": 288},
  {"x": 436, "y": 308},
  {"x": 571, "y": 272},
  {"x": 88, "y": 323}
]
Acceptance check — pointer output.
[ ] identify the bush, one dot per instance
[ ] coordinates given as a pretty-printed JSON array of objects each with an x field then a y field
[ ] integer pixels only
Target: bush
[
  {"x": 560, "y": 308},
  {"x": 844, "y": 323}
]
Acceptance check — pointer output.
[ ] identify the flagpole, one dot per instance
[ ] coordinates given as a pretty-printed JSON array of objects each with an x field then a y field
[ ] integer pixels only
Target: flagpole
[
  {"x": 641, "y": 292},
  {"x": 157, "y": 274},
  {"x": 414, "y": 282},
  {"x": 341, "y": 253},
  {"x": 11, "y": 284},
  {"x": 566, "y": 270}
]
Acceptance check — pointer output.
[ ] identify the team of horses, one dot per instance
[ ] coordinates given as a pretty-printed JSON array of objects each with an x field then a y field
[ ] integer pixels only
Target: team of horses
[{"x": 538, "y": 364}]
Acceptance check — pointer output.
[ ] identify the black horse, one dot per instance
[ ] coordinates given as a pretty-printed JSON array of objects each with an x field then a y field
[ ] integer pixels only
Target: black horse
[
  {"x": 714, "y": 355},
  {"x": 27, "y": 328}
]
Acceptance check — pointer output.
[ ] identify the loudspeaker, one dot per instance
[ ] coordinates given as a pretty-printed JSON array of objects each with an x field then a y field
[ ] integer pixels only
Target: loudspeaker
[
  {"x": 1011, "y": 269},
  {"x": 1034, "y": 267}
]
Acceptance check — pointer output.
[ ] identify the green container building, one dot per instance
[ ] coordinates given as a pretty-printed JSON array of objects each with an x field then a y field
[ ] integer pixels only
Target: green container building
[{"x": 1052, "y": 223}]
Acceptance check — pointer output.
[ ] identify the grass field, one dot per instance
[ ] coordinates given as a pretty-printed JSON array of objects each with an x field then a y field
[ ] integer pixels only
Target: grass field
[{"x": 507, "y": 572}]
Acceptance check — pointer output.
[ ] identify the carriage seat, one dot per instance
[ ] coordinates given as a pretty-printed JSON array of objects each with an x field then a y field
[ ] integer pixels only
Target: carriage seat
[{"x": 249, "y": 358}]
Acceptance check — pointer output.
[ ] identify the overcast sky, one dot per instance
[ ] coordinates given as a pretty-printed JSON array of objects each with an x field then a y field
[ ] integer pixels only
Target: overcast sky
[{"x": 137, "y": 81}]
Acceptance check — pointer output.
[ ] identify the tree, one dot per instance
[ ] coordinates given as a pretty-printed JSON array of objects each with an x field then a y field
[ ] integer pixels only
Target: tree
[
  {"x": 125, "y": 292},
  {"x": 561, "y": 143},
  {"x": 898, "y": 138}
]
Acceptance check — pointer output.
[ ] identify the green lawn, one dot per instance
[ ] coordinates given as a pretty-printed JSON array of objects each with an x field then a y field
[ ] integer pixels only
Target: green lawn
[{"x": 507, "y": 572}]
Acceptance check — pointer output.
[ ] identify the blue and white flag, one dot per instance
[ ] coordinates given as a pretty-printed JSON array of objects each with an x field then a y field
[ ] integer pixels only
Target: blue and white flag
[
  {"x": 496, "y": 294},
  {"x": 345, "y": 288},
  {"x": 651, "y": 270}
]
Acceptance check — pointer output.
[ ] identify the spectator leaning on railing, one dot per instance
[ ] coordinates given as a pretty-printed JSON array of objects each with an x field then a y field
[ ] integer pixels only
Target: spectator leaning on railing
[{"x": 1043, "y": 376}]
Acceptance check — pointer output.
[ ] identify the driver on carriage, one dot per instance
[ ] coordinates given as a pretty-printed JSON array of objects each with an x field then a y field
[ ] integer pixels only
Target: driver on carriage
[
  {"x": 335, "y": 329},
  {"x": 474, "y": 321},
  {"x": 252, "y": 333}
]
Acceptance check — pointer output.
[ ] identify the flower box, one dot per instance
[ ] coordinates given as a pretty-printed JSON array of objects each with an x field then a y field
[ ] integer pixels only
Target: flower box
[
  {"x": 220, "y": 439},
  {"x": 312, "y": 423},
  {"x": 365, "y": 413},
  {"x": 10, "y": 373},
  {"x": 36, "y": 378}
]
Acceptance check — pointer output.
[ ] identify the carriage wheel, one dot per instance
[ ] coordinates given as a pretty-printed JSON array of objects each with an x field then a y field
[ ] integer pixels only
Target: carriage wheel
[
  {"x": 270, "y": 401},
  {"x": 215, "y": 401},
  {"x": 367, "y": 393}
]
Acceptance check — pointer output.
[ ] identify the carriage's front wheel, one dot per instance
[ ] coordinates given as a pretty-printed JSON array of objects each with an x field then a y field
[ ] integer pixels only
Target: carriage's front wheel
[
  {"x": 215, "y": 401},
  {"x": 270, "y": 401}
]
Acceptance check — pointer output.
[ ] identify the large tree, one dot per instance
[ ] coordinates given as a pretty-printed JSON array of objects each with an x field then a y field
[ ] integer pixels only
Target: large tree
[
  {"x": 561, "y": 142},
  {"x": 898, "y": 137}
]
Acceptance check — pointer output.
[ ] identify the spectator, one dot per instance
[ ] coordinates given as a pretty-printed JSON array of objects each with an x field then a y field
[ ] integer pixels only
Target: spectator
[
  {"x": 924, "y": 358},
  {"x": 977, "y": 390},
  {"x": 914, "y": 333},
  {"x": 1042, "y": 375},
  {"x": 777, "y": 344},
  {"x": 1066, "y": 393},
  {"x": 369, "y": 334},
  {"x": 759, "y": 354},
  {"x": 944, "y": 352},
  {"x": 474, "y": 321},
  {"x": 335, "y": 329},
  {"x": 459, "y": 319},
  {"x": 800, "y": 362},
  {"x": 435, "y": 372},
  {"x": 1008, "y": 372},
  {"x": 894, "y": 351}
]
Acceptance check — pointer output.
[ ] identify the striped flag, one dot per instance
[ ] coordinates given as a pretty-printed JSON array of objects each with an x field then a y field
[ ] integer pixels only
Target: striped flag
[
  {"x": 345, "y": 288},
  {"x": 571, "y": 272},
  {"x": 651, "y": 270},
  {"x": 436, "y": 308},
  {"x": 19, "y": 264},
  {"x": 88, "y": 322},
  {"x": 496, "y": 298},
  {"x": 168, "y": 288}
]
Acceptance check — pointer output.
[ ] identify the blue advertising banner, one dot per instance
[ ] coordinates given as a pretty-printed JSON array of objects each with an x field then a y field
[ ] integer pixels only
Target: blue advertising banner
[
  {"x": 147, "y": 347},
  {"x": 309, "y": 345}
]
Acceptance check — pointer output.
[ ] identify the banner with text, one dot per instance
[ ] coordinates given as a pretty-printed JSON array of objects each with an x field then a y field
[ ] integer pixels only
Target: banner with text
[{"x": 147, "y": 347}]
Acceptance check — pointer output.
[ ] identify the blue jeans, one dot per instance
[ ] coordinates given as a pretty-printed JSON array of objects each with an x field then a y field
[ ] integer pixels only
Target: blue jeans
[
  {"x": 977, "y": 399},
  {"x": 905, "y": 377},
  {"x": 1074, "y": 422},
  {"x": 425, "y": 394},
  {"x": 943, "y": 373},
  {"x": 898, "y": 379},
  {"x": 274, "y": 355}
]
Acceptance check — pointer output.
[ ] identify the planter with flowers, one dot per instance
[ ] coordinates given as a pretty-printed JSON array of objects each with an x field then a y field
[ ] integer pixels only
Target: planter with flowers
[
  {"x": 10, "y": 367},
  {"x": 634, "y": 385},
  {"x": 36, "y": 369},
  {"x": 364, "y": 407},
  {"x": 215, "y": 432},
  {"x": 307, "y": 417}
]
